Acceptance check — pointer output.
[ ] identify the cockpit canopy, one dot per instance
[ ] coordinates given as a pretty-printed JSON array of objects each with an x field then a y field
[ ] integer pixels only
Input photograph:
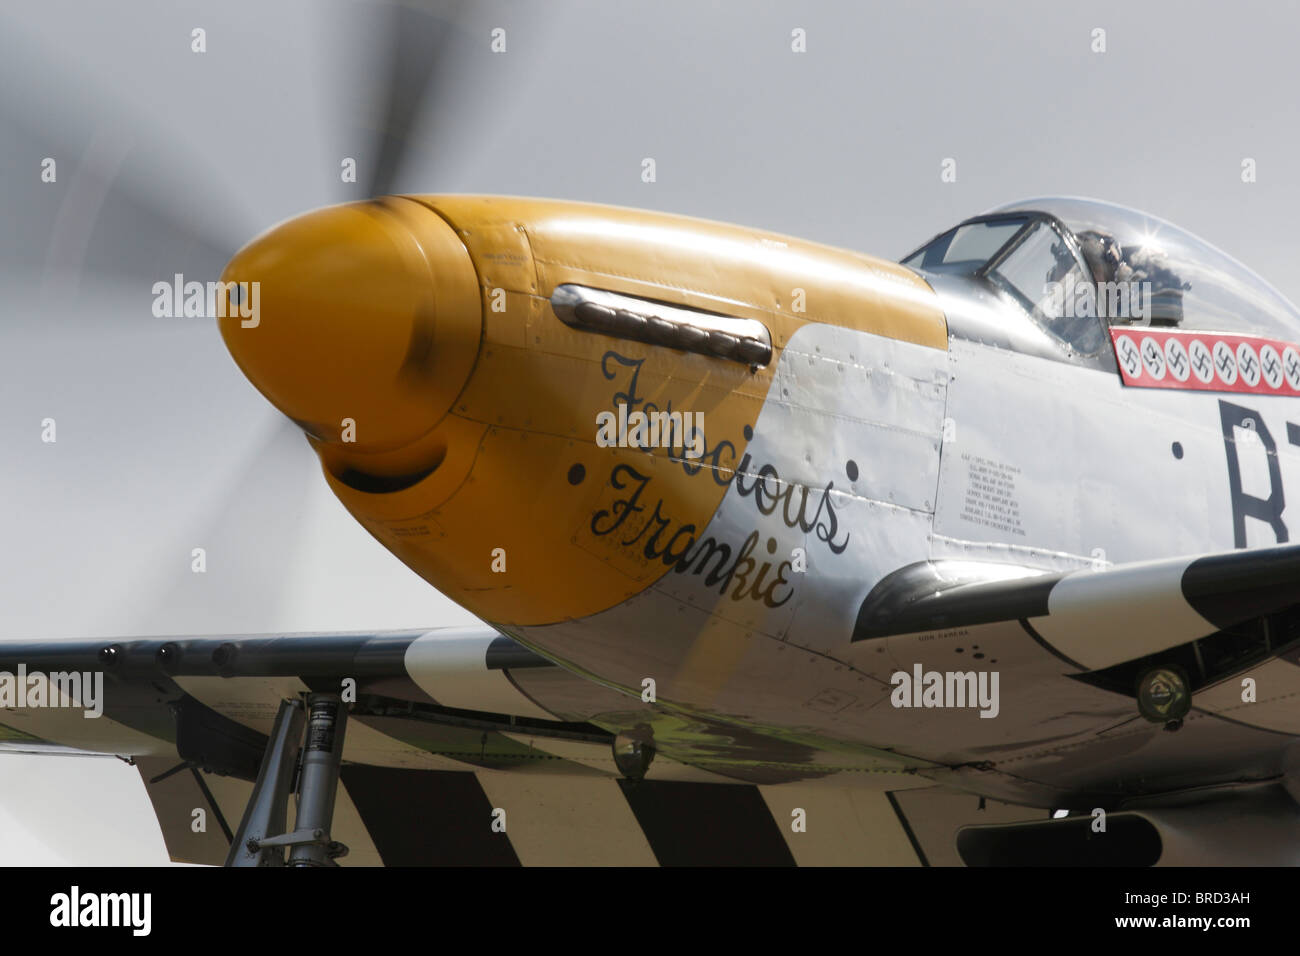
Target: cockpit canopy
[{"x": 1077, "y": 265}]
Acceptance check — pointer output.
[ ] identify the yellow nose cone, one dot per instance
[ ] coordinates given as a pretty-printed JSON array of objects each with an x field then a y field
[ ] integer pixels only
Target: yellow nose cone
[{"x": 360, "y": 322}]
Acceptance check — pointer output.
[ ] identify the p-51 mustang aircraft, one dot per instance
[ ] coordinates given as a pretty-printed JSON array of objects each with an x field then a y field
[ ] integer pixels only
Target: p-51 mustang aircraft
[
  {"x": 783, "y": 553},
  {"x": 745, "y": 514}
]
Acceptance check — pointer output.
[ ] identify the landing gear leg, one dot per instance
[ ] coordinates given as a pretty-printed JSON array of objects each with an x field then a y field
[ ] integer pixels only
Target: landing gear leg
[
  {"x": 321, "y": 756},
  {"x": 327, "y": 719}
]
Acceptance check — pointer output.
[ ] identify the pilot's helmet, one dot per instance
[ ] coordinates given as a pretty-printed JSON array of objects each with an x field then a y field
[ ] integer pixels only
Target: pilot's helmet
[{"x": 1101, "y": 253}]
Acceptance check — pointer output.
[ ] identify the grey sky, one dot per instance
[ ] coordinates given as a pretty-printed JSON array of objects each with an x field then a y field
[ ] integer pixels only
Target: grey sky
[{"x": 164, "y": 447}]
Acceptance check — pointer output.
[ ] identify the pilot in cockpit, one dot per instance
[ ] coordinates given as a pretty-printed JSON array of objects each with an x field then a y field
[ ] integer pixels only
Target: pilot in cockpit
[
  {"x": 1102, "y": 255},
  {"x": 1153, "y": 291}
]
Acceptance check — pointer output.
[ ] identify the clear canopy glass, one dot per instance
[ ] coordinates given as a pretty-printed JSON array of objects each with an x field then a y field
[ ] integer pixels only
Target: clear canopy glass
[
  {"x": 1183, "y": 281},
  {"x": 1193, "y": 285}
]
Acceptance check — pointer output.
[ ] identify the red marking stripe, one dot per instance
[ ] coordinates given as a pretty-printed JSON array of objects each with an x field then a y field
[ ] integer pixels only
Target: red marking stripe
[{"x": 1206, "y": 361}]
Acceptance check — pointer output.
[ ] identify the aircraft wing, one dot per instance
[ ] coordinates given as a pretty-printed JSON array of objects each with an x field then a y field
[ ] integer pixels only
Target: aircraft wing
[
  {"x": 446, "y": 727},
  {"x": 1213, "y": 615}
]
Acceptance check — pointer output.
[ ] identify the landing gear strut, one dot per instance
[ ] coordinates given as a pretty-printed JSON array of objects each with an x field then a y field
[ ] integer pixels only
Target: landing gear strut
[{"x": 261, "y": 838}]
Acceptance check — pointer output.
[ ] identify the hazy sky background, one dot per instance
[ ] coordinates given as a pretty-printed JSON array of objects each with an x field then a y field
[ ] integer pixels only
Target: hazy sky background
[{"x": 163, "y": 446}]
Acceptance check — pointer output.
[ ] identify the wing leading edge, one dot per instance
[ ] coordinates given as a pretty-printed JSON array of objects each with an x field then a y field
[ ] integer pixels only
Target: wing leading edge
[{"x": 1099, "y": 619}]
